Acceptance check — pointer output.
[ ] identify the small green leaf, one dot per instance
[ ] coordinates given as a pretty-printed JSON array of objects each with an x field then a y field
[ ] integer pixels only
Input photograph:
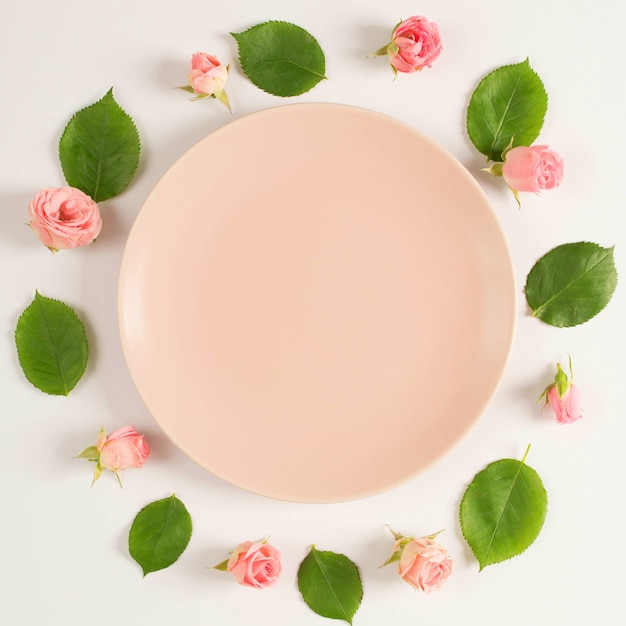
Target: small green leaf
[
  {"x": 159, "y": 534},
  {"x": 571, "y": 284},
  {"x": 503, "y": 511},
  {"x": 99, "y": 149},
  {"x": 281, "y": 58},
  {"x": 330, "y": 584},
  {"x": 508, "y": 107},
  {"x": 51, "y": 345}
]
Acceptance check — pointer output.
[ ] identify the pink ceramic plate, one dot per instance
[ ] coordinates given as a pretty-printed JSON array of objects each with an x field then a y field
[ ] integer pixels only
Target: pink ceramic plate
[{"x": 316, "y": 302}]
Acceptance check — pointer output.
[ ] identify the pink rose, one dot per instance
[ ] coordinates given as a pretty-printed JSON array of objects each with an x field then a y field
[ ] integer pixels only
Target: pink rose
[
  {"x": 207, "y": 78},
  {"x": 422, "y": 563},
  {"x": 255, "y": 564},
  {"x": 122, "y": 449},
  {"x": 207, "y": 75},
  {"x": 532, "y": 168},
  {"x": 567, "y": 408},
  {"x": 563, "y": 396},
  {"x": 415, "y": 44},
  {"x": 64, "y": 217}
]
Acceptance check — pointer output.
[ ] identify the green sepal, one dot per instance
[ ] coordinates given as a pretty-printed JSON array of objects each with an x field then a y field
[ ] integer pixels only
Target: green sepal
[
  {"x": 223, "y": 566},
  {"x": 91, "y": 454},
  {"x": 394, "y": 558},
  {"x": 397, "y": 536},
  {"x": 223, "y": 98},
  {"x": 495, "y": 169},
  {"x": 381, "y": 52},
  {"x": 561, "y": 381},
  {"x": 97, "y": 472}
]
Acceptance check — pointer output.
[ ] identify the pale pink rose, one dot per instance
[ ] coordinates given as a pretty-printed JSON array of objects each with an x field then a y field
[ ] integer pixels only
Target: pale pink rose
[
  {"x": 255, "y": 564},
  {"x": 415, "y": 44},
  {"x": 122, "y": 449},
  {"x": 567, "y": 408},
  {"x": 207, "y": 75},
  {"x": 64, "y": 217},
  {"x": 532, "y": 168},
  {"x": 424, "y": 564}
]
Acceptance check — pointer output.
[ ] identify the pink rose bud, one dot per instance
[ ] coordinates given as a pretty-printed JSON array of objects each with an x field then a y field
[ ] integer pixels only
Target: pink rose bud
[
  {"x": 253, "y": 564},
  {"x": 532, "y": 168},
  {"x": 207, "y": 78},
  {"x": 415, "y": 44},
  {"x": 64, "y": 217},
  {"x": 122, "y": 449},
  {"x": 563, "y": 396},
  {"x": 422, "y": 563},
  {"x": 567, "y": 408}
]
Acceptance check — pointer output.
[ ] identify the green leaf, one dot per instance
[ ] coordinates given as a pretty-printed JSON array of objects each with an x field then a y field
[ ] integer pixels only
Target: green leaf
[
  {"x": 99, "y": 149},
  {"x": 51, "y": 345},
  {"x": 507, "y": 108},
  {"x": 503, "y": 511},
  {"x": 159, "y": 534},
  {"x": 571, "y": 284},
  {"x": 281, "y": 58},
  {"x": 330, "y": 584}
]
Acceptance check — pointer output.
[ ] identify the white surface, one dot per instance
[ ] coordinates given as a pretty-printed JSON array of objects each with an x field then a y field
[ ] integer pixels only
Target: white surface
[{"x": 63, "y": 545}]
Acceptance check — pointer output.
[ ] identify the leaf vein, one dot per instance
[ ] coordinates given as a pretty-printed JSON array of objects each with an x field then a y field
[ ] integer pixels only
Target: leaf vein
[
  {"x": 496, "y": 135},
  {"x": 331, "y": 587},
  {"x": 54, "y": 353},
  {"x": 506, "y": 504}
]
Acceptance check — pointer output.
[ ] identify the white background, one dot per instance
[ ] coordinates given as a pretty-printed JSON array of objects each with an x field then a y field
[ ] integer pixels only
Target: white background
[{"x": 63, "y": 554}]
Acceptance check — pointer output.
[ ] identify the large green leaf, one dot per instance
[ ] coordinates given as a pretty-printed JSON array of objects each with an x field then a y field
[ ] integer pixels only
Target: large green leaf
[
  {"x": 571, "y": 284},
  {"x": 281, "y": 58},
  {"x": 99, "y": 149},
  {"x": 51, "y": 345},
  {"x": 330, "y": 584},
  {"x": 159, "y": 534},
  {"x": 503, "y": 511},
  {"x": 508, "y": 107}
]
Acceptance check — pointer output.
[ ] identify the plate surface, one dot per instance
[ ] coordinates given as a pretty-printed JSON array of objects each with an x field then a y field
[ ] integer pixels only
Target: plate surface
[{"x": 316, "y": 302}]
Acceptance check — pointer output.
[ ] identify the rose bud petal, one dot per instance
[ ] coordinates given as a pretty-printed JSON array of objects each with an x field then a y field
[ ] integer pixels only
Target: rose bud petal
[
  {"x": 532, "y": 168},
  {"x": 253, "y": 564},
  {"x": 415, "y": 44},
  {"x": 207, "y": 78}
]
